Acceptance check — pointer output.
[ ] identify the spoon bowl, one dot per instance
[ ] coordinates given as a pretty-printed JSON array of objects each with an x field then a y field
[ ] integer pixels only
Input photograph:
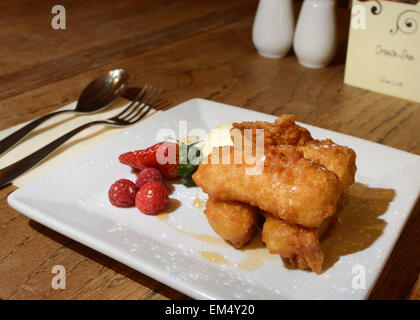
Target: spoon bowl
[{"x": 102, "y": 91}]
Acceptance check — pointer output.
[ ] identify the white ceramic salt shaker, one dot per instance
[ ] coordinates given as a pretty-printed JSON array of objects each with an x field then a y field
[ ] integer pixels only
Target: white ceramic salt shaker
[
  {"x": 273, "y": 28},
  {"x": 315, "y": 41}
]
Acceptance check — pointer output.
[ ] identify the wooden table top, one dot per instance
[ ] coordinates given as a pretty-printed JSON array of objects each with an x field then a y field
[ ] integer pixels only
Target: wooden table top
[{"x": 192, "y": 50}]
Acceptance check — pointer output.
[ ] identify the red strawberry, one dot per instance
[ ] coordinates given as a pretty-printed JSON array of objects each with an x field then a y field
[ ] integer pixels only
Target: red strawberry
[{"x": 162, "y": 156}]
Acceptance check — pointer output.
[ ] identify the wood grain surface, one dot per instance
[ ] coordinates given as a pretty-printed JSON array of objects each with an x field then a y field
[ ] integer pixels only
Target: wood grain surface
[{"x": 192, "y": 49}]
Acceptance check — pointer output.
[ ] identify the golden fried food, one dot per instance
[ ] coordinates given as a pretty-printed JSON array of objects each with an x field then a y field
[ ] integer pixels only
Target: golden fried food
[
  {"x": 234, "y": 221},
  {"x": 289, "y": 186},
  {"x": 297, "y": 191},
  {"x": 297, "y": 244},
  {"x": 284, "y": 130},
  {"x": 339, "y": 159},
  {"x": 237, "y": 223}
]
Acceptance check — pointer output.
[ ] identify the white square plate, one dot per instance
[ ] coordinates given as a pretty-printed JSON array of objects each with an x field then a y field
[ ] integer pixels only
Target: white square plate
[{"x": 183, "y": 251}]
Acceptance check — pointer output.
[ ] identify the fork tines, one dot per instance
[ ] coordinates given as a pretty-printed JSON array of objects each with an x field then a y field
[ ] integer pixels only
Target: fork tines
[{"x": 140, "y": 106}]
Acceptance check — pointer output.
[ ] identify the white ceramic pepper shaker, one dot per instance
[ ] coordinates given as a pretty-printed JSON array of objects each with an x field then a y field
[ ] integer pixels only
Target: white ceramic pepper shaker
[
  {"x": 273, "y": 28},
  {"x": 315, "y": 41}
]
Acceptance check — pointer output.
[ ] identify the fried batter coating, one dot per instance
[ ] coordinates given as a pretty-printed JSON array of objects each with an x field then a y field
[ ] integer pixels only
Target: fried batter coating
[
  {"x": 234, "y": 221},
  {"x": 298, "y": 245},
  {"x": 339, "y": 159},
  {"x": 284, "y": 130},
  {"x": 237, "y": 223},
  {"x": 290, "y": 187},
  {"x": 283, "y": 193}
]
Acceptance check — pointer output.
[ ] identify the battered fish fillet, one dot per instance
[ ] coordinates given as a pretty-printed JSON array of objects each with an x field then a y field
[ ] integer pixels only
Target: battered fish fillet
[
  {"x": 339, "y": 159},
  {"x": 298, "y": 245},
  {"x": 234, "y": 221},
  {"x": 302, "y": 250},
  {"x": 290, "y": 187},
  {"x": 283, "y": 131},
  {"x": 238, "y": 222}
]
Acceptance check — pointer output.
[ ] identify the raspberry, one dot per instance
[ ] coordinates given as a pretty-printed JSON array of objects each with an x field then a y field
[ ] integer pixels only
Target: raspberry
[
  {"x": 148, "y": 174},
  {"x": 122, "y": 193},
  {"x": 152, "y": 198}
]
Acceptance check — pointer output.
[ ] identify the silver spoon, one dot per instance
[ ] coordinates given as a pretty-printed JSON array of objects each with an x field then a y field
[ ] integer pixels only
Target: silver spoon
[{"x": 98, "y": 95}]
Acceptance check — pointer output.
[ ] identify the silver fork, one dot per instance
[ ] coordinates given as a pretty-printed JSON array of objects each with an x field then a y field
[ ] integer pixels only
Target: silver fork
[{"x": 133, "y": 113}]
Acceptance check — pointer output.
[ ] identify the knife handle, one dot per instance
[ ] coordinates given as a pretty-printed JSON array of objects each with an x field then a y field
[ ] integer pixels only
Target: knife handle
[
  {"x": 14, "y": 170},
  {"x": 18, "y": 135}
]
